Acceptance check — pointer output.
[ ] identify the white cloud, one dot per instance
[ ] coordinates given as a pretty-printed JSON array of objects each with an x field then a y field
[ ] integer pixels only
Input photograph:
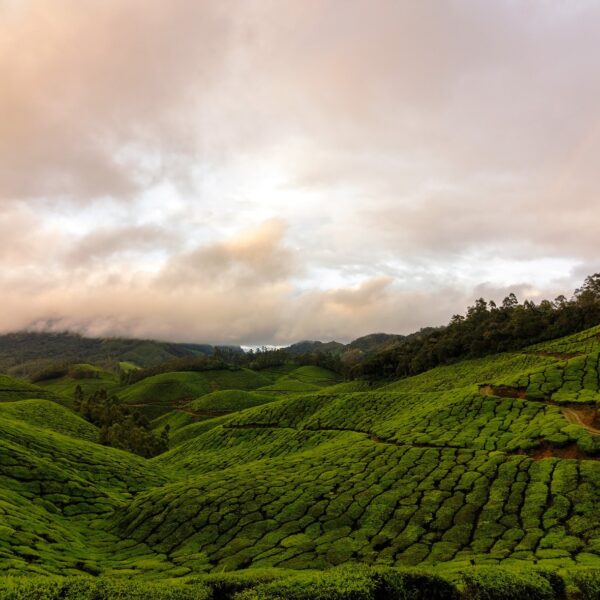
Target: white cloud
[{"x": 262, "y": 171}]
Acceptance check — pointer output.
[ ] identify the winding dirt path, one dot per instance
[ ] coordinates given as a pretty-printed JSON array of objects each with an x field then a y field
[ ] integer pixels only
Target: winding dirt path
[
  {"x": 573, "y": 416},
  {"x": 582, "y": 415}
]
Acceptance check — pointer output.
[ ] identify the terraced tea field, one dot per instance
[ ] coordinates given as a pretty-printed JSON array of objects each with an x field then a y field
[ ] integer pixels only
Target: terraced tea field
[{"x": 486, "y": 462}]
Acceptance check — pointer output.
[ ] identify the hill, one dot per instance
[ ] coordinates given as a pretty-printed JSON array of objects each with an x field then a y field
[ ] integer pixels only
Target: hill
[
  {"x": 229, "y": 401},
  {"x": 15, "y": 389},
  {"x": 160, "y": 393},
  {"x": 48, "y": 415},
  {"x": 374, "y": 342},
  {"x": 433, "y": 468},
  {"x": 303, "y": 379},
  {"x": 26, "y": 352},
  {"x": 308, "y": 346},
  {"x": 491, "y": 461},
  {"x": 89, "y": 378}
]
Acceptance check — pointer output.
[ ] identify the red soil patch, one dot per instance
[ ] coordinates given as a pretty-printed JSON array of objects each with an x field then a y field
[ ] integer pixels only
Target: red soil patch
[
  {"x": 585, "y": 416},
  {"x": 547, "y": 450},
  {"x": 503, "y": 391}
]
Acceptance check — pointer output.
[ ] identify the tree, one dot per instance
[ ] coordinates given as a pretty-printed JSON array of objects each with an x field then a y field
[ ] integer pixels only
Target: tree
[
  {"x": 121, "y": 428},
  {"x": 79, "y": 397},
  {"x": 590, "y": 287},
  {"x": 510, "y": 302}
]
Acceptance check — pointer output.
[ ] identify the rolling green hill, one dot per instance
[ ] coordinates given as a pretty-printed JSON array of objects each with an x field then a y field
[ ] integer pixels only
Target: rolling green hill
[
  {"x": 50, "y": 416},
  {"x": 30, "y": 350},
  {"x": 89, "y": 378},
  {"x": 490, "y": 462},
  {"x": 303, "y": 379},
  {"x": 160, "y": 393},
  {"x": 229, "y": 401},
  {"x": 14, "y": 389}
]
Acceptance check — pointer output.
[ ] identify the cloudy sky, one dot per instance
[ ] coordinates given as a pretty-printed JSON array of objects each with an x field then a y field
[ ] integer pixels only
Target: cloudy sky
[{"x": 264, "y": 171}]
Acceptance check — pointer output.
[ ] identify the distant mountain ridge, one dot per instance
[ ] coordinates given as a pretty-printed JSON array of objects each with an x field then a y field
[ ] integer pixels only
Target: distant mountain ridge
[
  {"x": 367, "y": 344},
  {"x": 24, "y": 352},
  {"x": 23, "y": 349},
  {"x": 308, "y": 346}
]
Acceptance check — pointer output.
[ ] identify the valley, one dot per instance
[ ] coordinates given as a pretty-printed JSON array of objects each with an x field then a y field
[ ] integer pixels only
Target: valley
[{"x": 486, "y": 462}]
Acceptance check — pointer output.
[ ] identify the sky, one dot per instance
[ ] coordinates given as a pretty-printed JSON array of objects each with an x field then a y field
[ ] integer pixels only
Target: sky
[{"x": 262, "y": 172}]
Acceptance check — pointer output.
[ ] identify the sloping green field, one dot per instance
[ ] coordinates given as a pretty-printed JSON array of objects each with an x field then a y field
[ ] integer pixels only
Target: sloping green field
[
  {"x": 13, "y": 389},
  {"x": 90, "y": 379},
  {"x": 229, "y": 401},
  {"x": 487, "y": 462},
  {"x": 158, "y": 394}
]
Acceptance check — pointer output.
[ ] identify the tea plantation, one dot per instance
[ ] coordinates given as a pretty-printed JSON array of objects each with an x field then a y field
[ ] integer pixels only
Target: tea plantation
[{"x": 477, "y": 480}]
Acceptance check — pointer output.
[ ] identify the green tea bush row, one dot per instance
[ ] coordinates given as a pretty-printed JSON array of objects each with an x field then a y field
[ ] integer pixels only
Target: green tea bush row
[
  {"x": 588, "y": 583},
  {"x": 98, "y": 589},
  {"x": 354, "y": 582},
  {"x": 499, "y": 584},
  {"x": 349, "y": 582}
]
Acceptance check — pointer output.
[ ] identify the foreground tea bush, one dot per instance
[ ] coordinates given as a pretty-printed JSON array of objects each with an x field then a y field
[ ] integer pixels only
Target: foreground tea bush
[
  {"x": 588, "y": 583},
  {"x": 44, "y": 588},
  {"x": 348, "y": 582},
  {"x": 500, "y": 584},
  {"x": 355, "y": 582},
  {"x": 225, "y": 586}
]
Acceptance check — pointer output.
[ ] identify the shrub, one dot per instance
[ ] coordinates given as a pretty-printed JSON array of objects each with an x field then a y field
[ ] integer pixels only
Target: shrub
[
  {"x": 588, "y": 582},
  {"x": 415, "y": 585},
  {"x": 51, "y": 371},
  {"x": 502, "y": 584},
  {"x": 557, "y": 583},
  {"x": 225, "y": 585},
  {"x": 355, "y": 582},
  {"x": 80, "y": 588}
]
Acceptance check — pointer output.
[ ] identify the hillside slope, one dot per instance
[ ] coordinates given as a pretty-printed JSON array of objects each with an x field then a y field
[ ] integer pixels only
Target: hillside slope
[
  {"x": 27, "y": 349},
  {"x": 15, "y": 389},
  {"x": 159, "y": 394},
  {"x": 486, "y": 461}
]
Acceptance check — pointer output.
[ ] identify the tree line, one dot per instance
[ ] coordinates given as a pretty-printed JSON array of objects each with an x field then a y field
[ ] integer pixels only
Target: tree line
[
  {"x": 119, "y": 426},
  {"x": 487, "y": 328}
]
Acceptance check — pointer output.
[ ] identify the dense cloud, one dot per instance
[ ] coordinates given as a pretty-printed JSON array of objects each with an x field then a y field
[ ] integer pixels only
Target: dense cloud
[{"x": 263, "y": 171}]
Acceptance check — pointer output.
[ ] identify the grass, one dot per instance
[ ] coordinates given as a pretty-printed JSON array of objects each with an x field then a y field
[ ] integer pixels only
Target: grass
[
  {"x": 303, "y": 379},
  {"x": 229, "y": 400},
  {"x": 91, "y": 379},
  {"x": 14, "y": 389},
  {"x": 161, "y": 393},
  {"x": 49, "y": 416},
  {"x": 175, "y": 419},
  {"x": 127, "y": 366},
  {"x": 470, "y": 473}
]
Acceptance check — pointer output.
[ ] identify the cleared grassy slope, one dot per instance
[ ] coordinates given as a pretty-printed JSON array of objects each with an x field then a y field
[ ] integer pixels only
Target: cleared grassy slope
[
  {"x": 229, "y": 400},
  {"x": 303, "y": 379},
  {"x": 14, "y": 389},
  {"x": 160, "y": 393},
  {"x": 49, "y": 416},
  {"x": 65, "y": 386}
]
